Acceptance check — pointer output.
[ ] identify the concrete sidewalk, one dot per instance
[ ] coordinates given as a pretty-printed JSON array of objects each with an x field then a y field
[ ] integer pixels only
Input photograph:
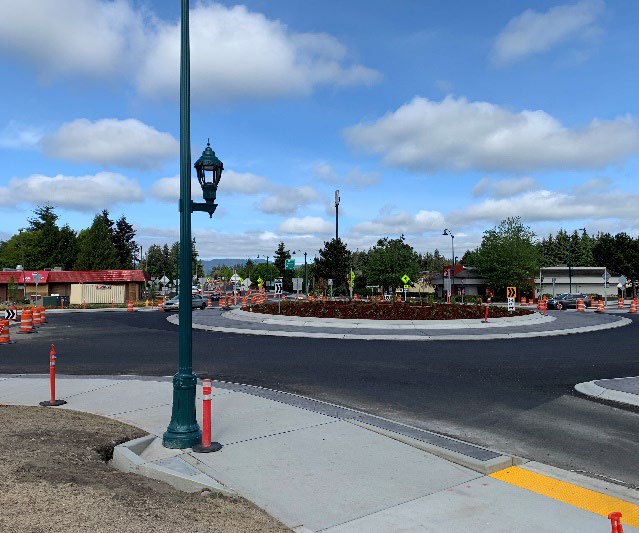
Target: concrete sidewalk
[{"x": 321, "y": 467}]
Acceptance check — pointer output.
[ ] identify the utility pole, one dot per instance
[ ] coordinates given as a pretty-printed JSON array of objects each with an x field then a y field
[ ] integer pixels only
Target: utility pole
[{"x": 337, "y": 214}]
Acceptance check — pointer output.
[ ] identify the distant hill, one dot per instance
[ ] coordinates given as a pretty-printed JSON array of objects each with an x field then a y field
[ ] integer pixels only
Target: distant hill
[{"x": 208, "y": 264}]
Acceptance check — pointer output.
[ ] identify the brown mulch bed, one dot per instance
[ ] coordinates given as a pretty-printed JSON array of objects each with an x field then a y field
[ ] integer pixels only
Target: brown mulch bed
[
  {"x": 54, "y": 477},
  {"x": 383, "y": 310}
]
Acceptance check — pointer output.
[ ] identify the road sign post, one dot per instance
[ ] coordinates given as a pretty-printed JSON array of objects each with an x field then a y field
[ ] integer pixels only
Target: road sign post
[{"x": 511, "y": 295}]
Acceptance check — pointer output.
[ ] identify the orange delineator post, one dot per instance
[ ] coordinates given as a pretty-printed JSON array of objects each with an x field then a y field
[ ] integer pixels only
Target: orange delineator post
[
  {"x": 160, "y": 304},
  {"x": 26, "y": 321},
  {"x": 619, "y": 303},
  {"x": 52, "y": 401},
  {"x": 206, "y": 445},
  {"x": 615, "y": 522}
]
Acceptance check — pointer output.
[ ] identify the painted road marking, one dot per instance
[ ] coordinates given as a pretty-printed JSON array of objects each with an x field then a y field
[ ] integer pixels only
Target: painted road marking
[{"x": 585, "y": 499}]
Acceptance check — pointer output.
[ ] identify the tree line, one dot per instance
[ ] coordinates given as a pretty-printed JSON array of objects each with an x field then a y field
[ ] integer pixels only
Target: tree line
[
  {"x": 510, "y": 254},
  {"x": 105, "y": 245}
]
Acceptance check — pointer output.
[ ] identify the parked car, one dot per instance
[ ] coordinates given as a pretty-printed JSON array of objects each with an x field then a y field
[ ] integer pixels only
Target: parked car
[
  {"x": 197, "y": 302},
  {"x": 568, "y": 301}
]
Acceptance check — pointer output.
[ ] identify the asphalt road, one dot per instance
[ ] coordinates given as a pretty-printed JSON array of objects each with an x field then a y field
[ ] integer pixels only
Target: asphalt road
[{"x": 514, "y": 396}]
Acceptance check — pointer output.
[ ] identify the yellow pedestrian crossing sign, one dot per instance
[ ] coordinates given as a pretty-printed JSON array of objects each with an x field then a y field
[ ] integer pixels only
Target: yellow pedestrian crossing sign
[
  {"x": 511, "y": 292},
  {"x": 405, "y": 279}
]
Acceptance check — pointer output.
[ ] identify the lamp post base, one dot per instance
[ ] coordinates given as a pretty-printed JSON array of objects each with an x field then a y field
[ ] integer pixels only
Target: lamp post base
[{"x": 183, "y": 430}]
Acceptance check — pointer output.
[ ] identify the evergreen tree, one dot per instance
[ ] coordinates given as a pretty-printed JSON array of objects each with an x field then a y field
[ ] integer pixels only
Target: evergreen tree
[
  {"x": 123, "y": 235},
  {"x": 333, "y": 263},
  {"x": 95, "y": 247}
]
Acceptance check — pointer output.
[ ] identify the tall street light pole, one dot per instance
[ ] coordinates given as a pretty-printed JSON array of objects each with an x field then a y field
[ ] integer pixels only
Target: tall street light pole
[
  {"x": 305, "y": 271},
  {"x": 183, "y": 430},
  {"x": 452, "y": 274},
  {"x": 337, "y": 214},
  {"x": 24, "y": 282}
]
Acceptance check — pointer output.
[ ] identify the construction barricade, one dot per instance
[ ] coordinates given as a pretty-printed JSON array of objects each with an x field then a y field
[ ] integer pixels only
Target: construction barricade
[{"x": 26, "y": 321}]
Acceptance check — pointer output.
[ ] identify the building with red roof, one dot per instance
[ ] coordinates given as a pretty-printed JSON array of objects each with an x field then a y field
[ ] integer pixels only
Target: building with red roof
[{"x": 94, "y": 286}]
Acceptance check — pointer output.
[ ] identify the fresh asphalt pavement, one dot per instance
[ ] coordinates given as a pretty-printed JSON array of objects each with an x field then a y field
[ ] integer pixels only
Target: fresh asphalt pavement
[{"x": 514, "y": 396}]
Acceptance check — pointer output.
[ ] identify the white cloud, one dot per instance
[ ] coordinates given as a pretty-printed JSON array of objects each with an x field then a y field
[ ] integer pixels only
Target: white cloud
[
  {"x": 237, "y": 53},
  {"x": 286, "y": 201},
  {"x": 402, "y": 222},
  {"x": 533, "y": 32},
  {"x": 504, "y": 188},
  {"x": 359, "y": 179},
  {"x": 586, "y": 202},
  {"x": 90, "y": 37},
  {"x": 17, "y": 136},
  {"x": 460, "y": 135},
  {"x": 77, "y": 193},
  {"x": 111, "y": 142},
  {"x": 306, "y": 225},
  {"x": 242, "y": 183},
  {"x": 326, "y": 173},
  {"x": 354, "y": 178}
]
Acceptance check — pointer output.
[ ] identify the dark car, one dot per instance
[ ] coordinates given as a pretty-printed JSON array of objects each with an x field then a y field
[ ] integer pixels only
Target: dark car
[
  {"x": 197, "y": 302},
  {"x": 568, "y": 301}
]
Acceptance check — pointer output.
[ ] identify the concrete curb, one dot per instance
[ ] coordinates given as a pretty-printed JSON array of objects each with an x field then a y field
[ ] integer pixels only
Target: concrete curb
[
  {"x": 590, "y": 388},
  {"x": 174, "y": 319},
  {"x": 483, "y": 467},
  {"x": 171, "y": 469}
]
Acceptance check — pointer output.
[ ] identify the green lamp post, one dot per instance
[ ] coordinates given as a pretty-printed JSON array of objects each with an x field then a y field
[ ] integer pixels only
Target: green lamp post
[{"x": 183, "y": 430}]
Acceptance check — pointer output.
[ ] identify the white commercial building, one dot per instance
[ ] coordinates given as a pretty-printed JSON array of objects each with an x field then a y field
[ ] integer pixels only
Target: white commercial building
[{"x": 586, "y": 280}]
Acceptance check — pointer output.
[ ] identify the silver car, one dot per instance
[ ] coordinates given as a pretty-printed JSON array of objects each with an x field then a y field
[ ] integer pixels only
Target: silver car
[{"x": 197, "y": 302}]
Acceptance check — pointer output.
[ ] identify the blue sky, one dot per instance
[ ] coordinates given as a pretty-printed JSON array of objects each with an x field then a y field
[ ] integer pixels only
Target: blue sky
[{"x": 425, "y": 115}]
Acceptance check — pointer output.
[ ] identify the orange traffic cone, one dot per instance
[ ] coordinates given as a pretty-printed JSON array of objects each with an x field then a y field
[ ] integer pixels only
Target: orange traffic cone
[
  {"x": 620, "y": 303},
  {"x": 581, "y": 307}
]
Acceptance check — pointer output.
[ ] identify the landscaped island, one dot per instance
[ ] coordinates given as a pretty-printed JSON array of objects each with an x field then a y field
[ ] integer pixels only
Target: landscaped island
[{"x": 383, "y": 310}]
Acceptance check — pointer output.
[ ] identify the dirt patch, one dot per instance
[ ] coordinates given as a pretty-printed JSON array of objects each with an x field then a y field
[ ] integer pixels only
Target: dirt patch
[{"x": 53, "y": 477}]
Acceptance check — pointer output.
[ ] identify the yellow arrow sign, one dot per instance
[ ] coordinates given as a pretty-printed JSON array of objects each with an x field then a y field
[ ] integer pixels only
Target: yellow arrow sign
[{"x": 511, "y": 292}]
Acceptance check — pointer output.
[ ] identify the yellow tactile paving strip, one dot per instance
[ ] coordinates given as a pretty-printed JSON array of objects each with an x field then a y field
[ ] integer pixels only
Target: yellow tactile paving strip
[{"x": 586, "y": 499}]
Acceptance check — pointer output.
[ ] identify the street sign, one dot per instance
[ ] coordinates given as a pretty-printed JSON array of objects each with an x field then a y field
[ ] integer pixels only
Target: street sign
[
  {"x": 36, "y": 277},
  {"x": 623, "y": 279},
  {"x": 278, "y": 285},
  {"x": 511, "y": 304},
  {"x": 164, "y": 280},
  {"x": 9, "y": 314},
  {"x": 298, "y": 284},
  {"x": 289, "y": 264},
  {"x": 352, "y": 276},
  {"x": 606, "y": 276},
  {"x": 511, "y": 292},
  {"x": 387, "y": 297},
  {"x": 406, "y": 287},
  {"x": 405, "y": 279}
]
